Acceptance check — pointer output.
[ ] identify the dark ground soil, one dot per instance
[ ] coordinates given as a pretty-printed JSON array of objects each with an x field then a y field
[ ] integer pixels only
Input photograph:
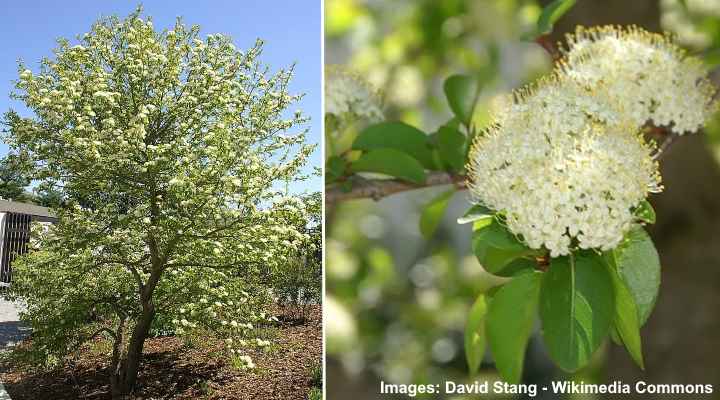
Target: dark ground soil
[{"x": 171, "y": 371}]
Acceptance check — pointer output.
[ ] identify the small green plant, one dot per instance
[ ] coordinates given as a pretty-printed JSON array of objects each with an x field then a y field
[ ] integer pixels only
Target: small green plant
[
  {"x": 206, "y": 389},
  {"x": 100, "y": 346},
  {"x": 316, "y": 375},
  {"x": 241, "y": 362},
  {"x": 315, "y": 394},
  {"x": 28, "y": 358}
]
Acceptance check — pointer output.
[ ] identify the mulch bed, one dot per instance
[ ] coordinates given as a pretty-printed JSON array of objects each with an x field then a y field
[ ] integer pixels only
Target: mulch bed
[{"x": 172, "y": 371}]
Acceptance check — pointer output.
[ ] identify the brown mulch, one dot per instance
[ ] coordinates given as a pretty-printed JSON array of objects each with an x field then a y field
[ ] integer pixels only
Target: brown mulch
[{"x": 171, "y": 371}]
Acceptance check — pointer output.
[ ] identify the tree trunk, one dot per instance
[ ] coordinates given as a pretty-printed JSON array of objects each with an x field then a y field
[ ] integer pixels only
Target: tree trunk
[
  {"x": 116, "y": 376},
  {"x": 124, "y": 377}
]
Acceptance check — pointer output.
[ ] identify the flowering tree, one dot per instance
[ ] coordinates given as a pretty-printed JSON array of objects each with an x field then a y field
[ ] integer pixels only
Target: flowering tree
[
  {"x": 167, "y": 149},
  {"x": 559, "y": 181}
]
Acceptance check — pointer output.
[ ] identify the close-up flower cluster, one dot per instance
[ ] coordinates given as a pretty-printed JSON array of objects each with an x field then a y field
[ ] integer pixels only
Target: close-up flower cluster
[
  {"x": 349, "y": 96},
  {"x": 645, "y": 74},
  {"x": 565, "y": 162}
]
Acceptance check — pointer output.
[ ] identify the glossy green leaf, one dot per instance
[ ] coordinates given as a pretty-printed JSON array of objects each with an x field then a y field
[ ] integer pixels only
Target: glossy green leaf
[
  {"x": 476, "y": 212},
  {"x": 482, "y": 223},
  {"x": 399, "y": 136},
  {"x": 519, "y": 266},
  {"x": 625, "y": 320},
  {"x": 461, "y": 92},
  {"x": 495, "y": 247},
  {"x": 576, "y": 308},
  {"x": 615, "y": 336},
  {"x": 511, "y": 316},
  {"x": 451, "y": 146},
  {"x": 433, "y": 212},
  {"x": 500, "y": 237},
  {"x": 551, "y": 14},
  {"x": 644, "y": 212},
  {"x": 475, "y": 334},
  {"x": 638, "y": 265},
  {"x": 335, "y": 168},
  {"x": 390, "y": 162}
]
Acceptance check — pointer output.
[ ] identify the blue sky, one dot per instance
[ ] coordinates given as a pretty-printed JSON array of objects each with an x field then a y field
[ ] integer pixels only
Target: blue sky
[{"x": 291, "y": 30}]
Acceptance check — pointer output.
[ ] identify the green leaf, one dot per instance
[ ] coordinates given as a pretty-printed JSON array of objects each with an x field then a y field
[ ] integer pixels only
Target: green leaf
[
  {"x": 638, "y": 265},
  {"x": 644, "y": 212},
  {"x": 476, "y": 212},
  {"x": 475, "y": 335},
  {"x": 625, "y": 320},
  {"x": 519, "y": 266},
  {"x": 615, "y": 336},
  {"x": 346, "y": 186},
  {"x": 451, "y": 145},
  {"x": 390, "y": 162},
  {"x": 399, "y": 136},
  {"x": 495, "y": 247},
  {"x": 482, "y": 223},
  {"x": 511, "y": 316},
  {"x": 576, "y": 308},
  {"x": 551, "y": 14},
  {"x": 335, "y": 168},
  {"x": 500, "y": 237},
  {"x": 433, "y": 212},
  {"x": 461, "y": 92}
]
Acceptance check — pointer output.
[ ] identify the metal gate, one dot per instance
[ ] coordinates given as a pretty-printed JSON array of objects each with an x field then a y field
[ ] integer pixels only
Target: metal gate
[{"x": 15, "y": 230}]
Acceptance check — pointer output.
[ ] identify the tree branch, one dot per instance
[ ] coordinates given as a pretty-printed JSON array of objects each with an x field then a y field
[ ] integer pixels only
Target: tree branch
[
  {"x": 665, "y": 145},
  {"x": 377, "y": 189},
  {"x": 547, "y": 44}
]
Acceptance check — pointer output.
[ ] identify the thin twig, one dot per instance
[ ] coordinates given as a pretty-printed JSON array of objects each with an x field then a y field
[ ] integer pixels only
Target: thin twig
[
  {"x": 664, "y": 146},
  {"x": 546, "y": 43},
  {"x": 377, "y": 189}
]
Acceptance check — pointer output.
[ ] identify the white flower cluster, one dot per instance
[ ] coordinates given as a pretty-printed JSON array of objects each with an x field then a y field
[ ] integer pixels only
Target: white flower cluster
[
  {"x": 565, "y": 163},
  {"x": 686, "y": 18},
  {"x": 347, "y": 95},
  {"x": 555, "y": 187},
  {"x": 646, "y": 75},
  {"x": 241, "y": 362},
  {"x": 222, "y": 317}
]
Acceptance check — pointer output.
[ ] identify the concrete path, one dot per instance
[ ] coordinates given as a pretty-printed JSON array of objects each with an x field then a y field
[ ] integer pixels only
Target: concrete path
[{"x": 11, "y": 331}]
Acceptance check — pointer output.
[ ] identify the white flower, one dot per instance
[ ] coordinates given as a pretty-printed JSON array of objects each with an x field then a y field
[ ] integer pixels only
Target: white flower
[
  {"x": 347, "y": 94},
  {"x": 685, "y": 18},
  {"x": 562, "y": 168},
  {"x": 645, "y": 74}
]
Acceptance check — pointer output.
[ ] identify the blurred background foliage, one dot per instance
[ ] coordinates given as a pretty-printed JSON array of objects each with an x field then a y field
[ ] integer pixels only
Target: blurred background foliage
[{"x": 397, "y": 302}]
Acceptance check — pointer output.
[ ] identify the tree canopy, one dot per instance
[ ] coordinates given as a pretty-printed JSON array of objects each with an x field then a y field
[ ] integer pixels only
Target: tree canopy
[{"x": 169, "y": 151}]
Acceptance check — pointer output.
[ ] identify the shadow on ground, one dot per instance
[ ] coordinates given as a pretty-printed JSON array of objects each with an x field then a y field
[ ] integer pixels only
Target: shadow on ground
[{"x": 161, "y": 374}]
